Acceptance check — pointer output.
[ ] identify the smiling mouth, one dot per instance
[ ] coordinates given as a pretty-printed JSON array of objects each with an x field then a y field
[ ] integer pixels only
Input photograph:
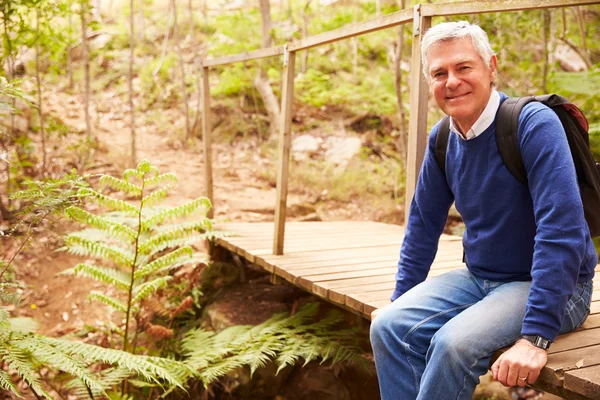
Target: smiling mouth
[{"x": 457, "y": 97}]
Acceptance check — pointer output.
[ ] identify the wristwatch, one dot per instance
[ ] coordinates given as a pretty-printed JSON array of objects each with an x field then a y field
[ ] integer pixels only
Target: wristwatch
[{"x": 537, "y": 341}]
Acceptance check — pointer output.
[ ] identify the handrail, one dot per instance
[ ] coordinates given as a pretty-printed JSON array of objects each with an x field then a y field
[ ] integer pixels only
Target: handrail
[
  {"x": 359, "y": 28},
  {"x": 488, "y": 6},
  {"x": 246, "y": 56}
]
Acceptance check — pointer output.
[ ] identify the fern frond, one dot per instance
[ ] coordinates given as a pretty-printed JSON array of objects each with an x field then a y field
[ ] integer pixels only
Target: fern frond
[
  {"x": 146, "y": 289},
  {"x": 150, "y": 368},
  {"x": 132, "y": 173},
  {"x": 109, "y": 301},
  {"x": 176, "y": 212},
  {"x": 48, "y": 354},
  {"x": 120, "y": 185},
  {"x": 109, "y": 202},
  {"x": 176, "y": 232},
  {"x": 162, "y": 178},
  {"x": 4, "y": 315},
  {"x": 220, "y": 369},
  {"x": 164, "y": 261},
  {"x": 108, "y": 378},
  {"x": 7, "y": 385},
  {"x": 157, "y": 196},
  {"x": 21, "y": 362},
  {"x": 110, "y": 276},
  {"x": 23, "y": 325},
  {"x": 114, "y": 229},
  {"x": 7, "y": 296},
  {"x": 170, "y": 244},
  {"x": 90, "y": 248}
]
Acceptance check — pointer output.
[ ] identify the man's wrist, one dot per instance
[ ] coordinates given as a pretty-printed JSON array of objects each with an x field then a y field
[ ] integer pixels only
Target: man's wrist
[{"x": 537, "y": 341}]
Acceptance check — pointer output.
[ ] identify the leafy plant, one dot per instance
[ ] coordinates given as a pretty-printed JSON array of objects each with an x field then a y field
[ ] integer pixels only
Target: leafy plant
[
  {"x": 282, "y": 339},
  {"x": 134, "y": 245},
  {"x": 25, "y": 352}
]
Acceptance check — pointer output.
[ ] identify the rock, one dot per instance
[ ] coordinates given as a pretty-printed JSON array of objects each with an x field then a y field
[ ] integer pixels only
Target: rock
[
  {"x": 569, "y": 59},
  {"x": 341, "y": 149},
  {"x": 316, "y": 383},
  {"x": 304, "y": 146}
]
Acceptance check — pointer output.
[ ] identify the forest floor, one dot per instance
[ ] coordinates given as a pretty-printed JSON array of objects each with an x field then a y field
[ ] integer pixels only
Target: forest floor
[{"x": 59, "y": 302}]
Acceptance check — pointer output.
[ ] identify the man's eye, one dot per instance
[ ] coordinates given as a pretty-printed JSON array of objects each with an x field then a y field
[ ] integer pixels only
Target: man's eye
[
  {"x": 464, "y": 68},
  {"x": 439, "y": 74}
]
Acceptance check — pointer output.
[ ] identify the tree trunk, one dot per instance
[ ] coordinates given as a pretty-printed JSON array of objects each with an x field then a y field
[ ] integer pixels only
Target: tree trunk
[
  {"x": 304, "y": 59},
  {"x": 130, "y": 83},
  {"x": 583, "y": 34},
  {"x": 184, "y": 96},
  {"x": 142, "y": 30},
  {"x": 261, "y": 82},
  {"x": 191, "y": 11},
  {"x": 70, "y": 51},
  {"x": 546, "y": 34},
  {"x": 86, "y": 68},
  {"x": 39, "y": 89},
  {"x": 403, "y": 137}
]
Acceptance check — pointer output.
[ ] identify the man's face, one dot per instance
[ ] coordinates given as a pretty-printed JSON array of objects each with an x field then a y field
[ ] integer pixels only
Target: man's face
[{"x": 460, "y": 81}]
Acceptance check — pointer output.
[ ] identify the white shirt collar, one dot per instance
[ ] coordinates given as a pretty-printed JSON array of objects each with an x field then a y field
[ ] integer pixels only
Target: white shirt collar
[{"x": 484, "y": 121}]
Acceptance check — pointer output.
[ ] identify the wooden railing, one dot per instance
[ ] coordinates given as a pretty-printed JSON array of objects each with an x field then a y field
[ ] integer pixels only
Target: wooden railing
[{"x": 421, "y": 16}]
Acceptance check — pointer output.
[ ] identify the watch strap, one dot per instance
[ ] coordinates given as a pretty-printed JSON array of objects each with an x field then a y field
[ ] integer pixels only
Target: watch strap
[{"x": 537, "y": 341}]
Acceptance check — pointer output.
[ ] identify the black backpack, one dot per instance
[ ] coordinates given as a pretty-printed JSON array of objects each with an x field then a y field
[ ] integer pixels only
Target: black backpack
[{"x": 576, "y": 128}]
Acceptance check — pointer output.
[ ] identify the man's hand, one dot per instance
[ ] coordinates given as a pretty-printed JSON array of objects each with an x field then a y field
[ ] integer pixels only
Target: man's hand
[
  {"x": 376, "y": 312},
  {"x": 520, "y": 365}
]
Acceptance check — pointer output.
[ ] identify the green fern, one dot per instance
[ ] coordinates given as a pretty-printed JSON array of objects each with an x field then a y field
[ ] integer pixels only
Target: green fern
[
  {"x": 136, "y": 250},
  {"x": 283, "y": 339}
]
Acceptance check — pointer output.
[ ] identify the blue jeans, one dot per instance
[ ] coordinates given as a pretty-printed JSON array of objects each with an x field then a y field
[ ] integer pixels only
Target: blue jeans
[{"x": 435, "y": 341}]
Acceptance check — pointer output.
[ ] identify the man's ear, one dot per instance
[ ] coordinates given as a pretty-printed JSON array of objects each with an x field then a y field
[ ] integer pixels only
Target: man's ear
[{"x": 493, "y": 68}]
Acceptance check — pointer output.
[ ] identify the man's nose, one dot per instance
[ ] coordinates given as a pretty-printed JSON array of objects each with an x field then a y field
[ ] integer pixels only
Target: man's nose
[{"x": 453, "y": 80}]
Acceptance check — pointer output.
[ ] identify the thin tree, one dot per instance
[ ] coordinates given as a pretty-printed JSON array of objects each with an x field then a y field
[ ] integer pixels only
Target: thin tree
[
  {"x": 130, "y": 81},
  {"x": 546, "y": 35},
  {"x": 86, "y": 67},
  {"x": 70, "y": 51},
  {"x": 184, "y": 96},
  {"x": 261, "y": 81},
  {"x": 39, "y": 87},
  {"x": 305, "y": 10},
  {"x": 398, "y": 84}
]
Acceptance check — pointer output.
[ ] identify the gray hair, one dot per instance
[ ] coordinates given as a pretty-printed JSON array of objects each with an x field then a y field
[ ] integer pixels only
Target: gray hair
[{"x": 447, "y": 31}]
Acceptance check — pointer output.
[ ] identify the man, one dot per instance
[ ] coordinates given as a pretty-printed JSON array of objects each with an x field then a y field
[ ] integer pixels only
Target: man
[{"x": 529, "y": 256}]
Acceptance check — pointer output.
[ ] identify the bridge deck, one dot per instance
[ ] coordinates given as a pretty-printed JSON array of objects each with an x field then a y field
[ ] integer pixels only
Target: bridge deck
[{"x": 352, "y": 265}]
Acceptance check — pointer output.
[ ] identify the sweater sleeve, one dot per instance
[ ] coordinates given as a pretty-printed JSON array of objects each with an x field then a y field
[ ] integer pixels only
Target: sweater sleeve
[
  {"x": 426, "y": 220},
  {"x": 561, "y": 230}
]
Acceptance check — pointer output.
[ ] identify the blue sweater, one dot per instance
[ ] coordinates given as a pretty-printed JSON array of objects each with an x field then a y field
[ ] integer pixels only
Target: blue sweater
[{"x": 513, "y": 232}]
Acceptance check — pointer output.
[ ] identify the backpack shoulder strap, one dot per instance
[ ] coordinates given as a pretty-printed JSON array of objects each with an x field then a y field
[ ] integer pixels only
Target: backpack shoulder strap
[
  {"x": 441, "y": 143},
  {"x": 507, "y": 125}
]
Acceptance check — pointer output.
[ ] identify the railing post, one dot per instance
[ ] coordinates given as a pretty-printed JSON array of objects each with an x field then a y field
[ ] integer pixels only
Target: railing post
[
  {"x": 285, "y": 141},
  {"x": 417, "y": 127},
  {"x": 207, "y": 139}
]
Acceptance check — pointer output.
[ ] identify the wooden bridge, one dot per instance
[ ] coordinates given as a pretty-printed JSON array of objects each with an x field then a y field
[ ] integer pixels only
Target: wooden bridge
[{"x": 352, "y": 263}]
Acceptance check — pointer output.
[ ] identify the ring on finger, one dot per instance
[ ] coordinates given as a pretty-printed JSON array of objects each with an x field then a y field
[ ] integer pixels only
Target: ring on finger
[{"x": 523, "y": 379}]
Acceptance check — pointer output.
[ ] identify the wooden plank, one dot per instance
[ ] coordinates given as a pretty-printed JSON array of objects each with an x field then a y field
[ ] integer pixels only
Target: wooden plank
[
  {"x": 584, "y": 381},
  {"x": 417, "y": 128},
  {"x": 207, "y": 140},
  {"x": 487, "y": 6},
  {"x": 245, "y": 56},
  {"x": 357, "y": 29},
  {"x": 285, "y": 141}
]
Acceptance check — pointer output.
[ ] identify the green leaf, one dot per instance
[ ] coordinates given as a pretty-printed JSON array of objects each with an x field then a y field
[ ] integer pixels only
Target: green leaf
[
  {"x": 20, "y": 361},
  {"x": 120, "y": 185},
  {"x": 146, "y": 289},
  {"x": 110, "y": 276},
  {"x": 109, "y": 202},
  {"x": 23, "y": 325},
  {"x": 85, "y": 247},
  {"x": 6, "y": 384},
  {"x": 109, "y": 301},
  {"x": 104, "y": 224},
  {"x": 177, "y": 232},
  {"x": 176, "y": 212},
  {"x": 164, "y": 261},
  {"x": 157, "y": 180}
]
